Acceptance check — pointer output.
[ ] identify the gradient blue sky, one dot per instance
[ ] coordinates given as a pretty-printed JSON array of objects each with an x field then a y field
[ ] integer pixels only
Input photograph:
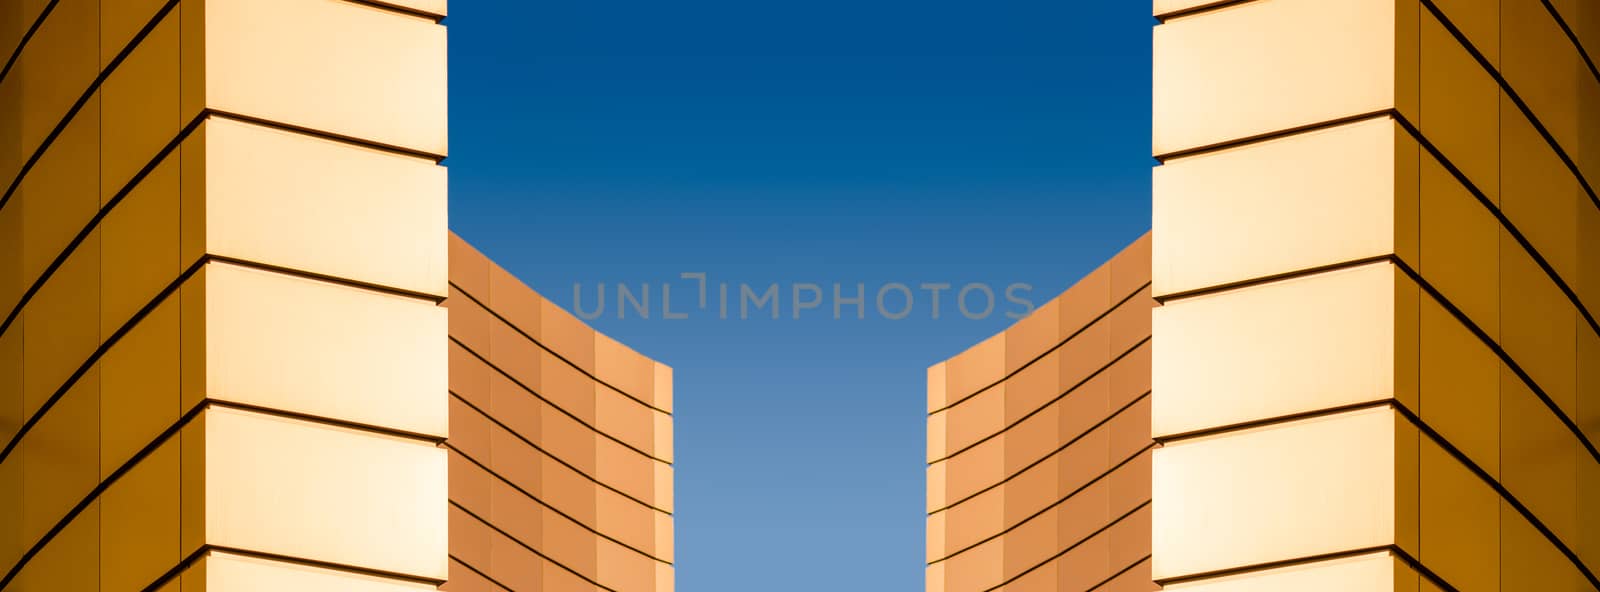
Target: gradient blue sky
[{"x": 822, "y": 141}]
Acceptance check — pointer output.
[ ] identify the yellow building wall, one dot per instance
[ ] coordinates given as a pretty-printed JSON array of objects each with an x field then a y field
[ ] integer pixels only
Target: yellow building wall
[
  {"x": 222, "y": 247},
  {"x": 1377, "y": 246}
]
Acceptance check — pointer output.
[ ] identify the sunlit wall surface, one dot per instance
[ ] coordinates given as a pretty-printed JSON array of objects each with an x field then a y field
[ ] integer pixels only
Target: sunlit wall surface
[
  {"x": 222, "y": 363},
  {"x": 1377, "y": 245},
  {"x": 560, "y": 445},
  {"x": 1039, "y": 445}
]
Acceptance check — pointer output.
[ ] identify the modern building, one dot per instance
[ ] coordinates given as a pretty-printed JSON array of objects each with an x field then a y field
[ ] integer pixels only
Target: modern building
[
  {"x": 1376, "y": 362},
  {"x": 560, "y": 445},
  {"x": 1039, "y": 449},
  {"x": 1377, "y": 248},
  {"x": 224, "y": 363}
]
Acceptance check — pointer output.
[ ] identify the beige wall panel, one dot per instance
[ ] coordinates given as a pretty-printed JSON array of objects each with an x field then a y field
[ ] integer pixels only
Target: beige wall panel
[
  {"x": 977, "y": 418},
  {"x": 663, "y": 388},
  {"x": 271, "y": 480},
  {"x": 290, "y": 61},
  {"x": 1374, "y": 572},
  {"x": 1268, "y": 65},
  {"x": 566, "y": 336},
  {"x": 263, "y": 182},
  {"x": 1313, "y": 199},
  {"x": 1280, "y": 492},
  {"x": 318, "y": 348},
  {"x": 1255, "y": 353},
  {"x": 225, "y": 572}
]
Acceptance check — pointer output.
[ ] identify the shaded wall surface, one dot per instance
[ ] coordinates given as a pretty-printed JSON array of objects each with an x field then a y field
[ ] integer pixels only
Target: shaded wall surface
[
  {"x": 222, "y": 245},
  {"x": 560, "y": 445},
  {"x": 1039, "y": 445},
  {"x": 1377, "y": 245}
]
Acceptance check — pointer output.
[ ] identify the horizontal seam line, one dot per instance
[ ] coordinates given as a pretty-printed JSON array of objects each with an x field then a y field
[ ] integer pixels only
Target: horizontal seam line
[
  {"x": 1053, "y": 400},
  {"x": 1079, "y": 331},
  {"x": 326, "y": 135},
  {"x": 515, "y": 434},
  {"x": 327, "y": 278},
  {"x": 474, "y": 569},
  {"x": 530, "y": 548},
  {"x": 525, "y": 493},
  {"x": 1102, "y": 530},
  {"x": 1201, "y": 9},
  {"x": 398, "y": 9},
  {"x": 1275, "y": 278},
  {"x": 1104, "y": 422},
  {"x": 1053, "y": 505},
  {"x": 1274, "y": 134},
  {"x": 552, "y": 404},
  {"x": 1274, "y": 420},
  {"x": 1120, "y": 572},
  {"x": 1277, "y": 563},
  {"x": 525, "y": 335},
  {"x": 415, "y": 437},
  {"x": 327, "y": 565}
]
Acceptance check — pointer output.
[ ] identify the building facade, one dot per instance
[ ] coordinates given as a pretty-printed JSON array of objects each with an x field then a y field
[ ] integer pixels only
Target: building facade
[
  {"x": 1039, "y": 448},
  {"x": 240, "y": 350},
  {"x": 560, "y": 445},
  {"x": 1377, "y": 248}
]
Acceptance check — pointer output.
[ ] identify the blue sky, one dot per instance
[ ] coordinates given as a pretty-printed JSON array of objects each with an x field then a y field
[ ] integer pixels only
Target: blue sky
[{"x": 869, "y": 141}]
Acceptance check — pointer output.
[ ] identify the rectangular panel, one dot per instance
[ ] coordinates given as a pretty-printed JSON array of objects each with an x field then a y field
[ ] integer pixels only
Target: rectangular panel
[
  {"x": 1284, "y": 205},
  {"x": 1374, "y": 572},
  {"x": 1270, "y": 65},
  {"x": 289, "y": 199},
  {"x": 139, "y": 521},
  {"x": 291, "y": 61},
  {"x": 1266, "y": 351},
  {"x": 270, "y": 481},
  {"x": 1460, "y": 107},
  {"x": 431, "y": 7},
  {"x": 313, "y": 347},
  {"x": 140, "y": 107},
  {"x": 226, "y": 572},
  {"x": 1280, "y": 492}
]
